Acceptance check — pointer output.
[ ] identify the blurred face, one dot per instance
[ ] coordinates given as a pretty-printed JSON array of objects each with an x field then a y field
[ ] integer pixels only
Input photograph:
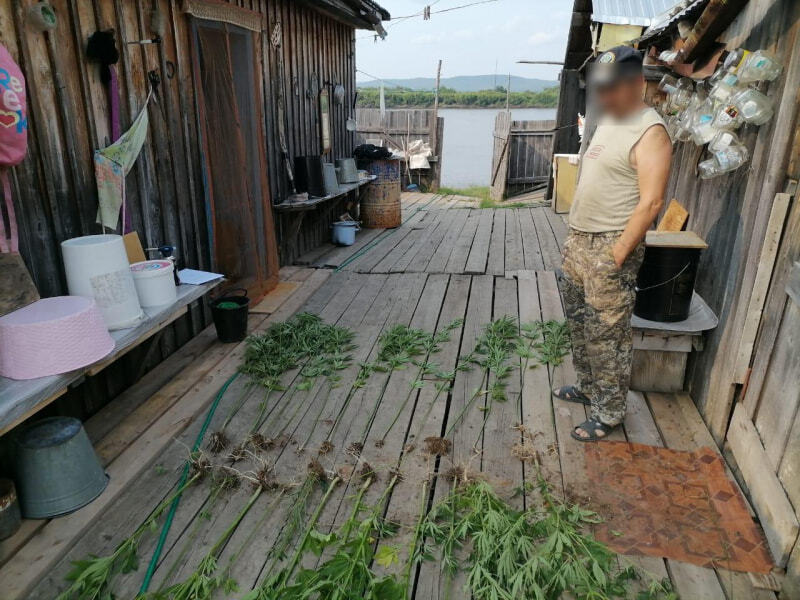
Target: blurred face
[{"x": 622, "y": 98}]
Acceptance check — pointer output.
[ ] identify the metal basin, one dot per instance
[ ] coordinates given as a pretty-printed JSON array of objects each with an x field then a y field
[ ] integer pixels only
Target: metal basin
[{"x": 57, "y": 468}]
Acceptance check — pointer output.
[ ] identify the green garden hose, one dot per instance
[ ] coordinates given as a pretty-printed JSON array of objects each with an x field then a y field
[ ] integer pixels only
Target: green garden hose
[
  {"x": 386, "y": 233},
  {"x": 162, "y": 538}
]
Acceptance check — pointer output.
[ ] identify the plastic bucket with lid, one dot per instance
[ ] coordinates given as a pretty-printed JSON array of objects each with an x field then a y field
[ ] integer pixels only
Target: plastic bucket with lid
[
  {"x": 97, "y": 267},
  {"x": 155, "y": 284},
  {"x": 229, "y": 312}
]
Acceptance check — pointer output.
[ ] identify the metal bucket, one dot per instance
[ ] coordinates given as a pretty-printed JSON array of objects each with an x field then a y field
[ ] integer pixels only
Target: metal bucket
[
  {"x": 346, "y": 170},
  {"x": 665, "y": 284},
  {"x": 57, "y": 469},
  {"x": 380, "y": 201},
  {"x": 10, "y": 518}
]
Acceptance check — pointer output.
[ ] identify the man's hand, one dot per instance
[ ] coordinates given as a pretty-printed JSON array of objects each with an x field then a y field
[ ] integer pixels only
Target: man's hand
[
  {"x": 652, "y": 157},
  {"x": 620, "y": 254}
]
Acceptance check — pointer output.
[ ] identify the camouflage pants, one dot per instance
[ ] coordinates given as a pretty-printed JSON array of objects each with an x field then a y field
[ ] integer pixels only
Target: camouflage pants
[{"x": 598, "y": 298}]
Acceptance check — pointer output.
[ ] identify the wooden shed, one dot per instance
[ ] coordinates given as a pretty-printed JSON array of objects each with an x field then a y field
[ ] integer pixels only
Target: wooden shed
[
  {"x": 746, "y": 381},
  {"x": 236, "y": 93}
]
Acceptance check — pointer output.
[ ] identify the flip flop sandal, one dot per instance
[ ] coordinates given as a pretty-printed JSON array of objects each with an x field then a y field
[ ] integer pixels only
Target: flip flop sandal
[
  {"x": 570, "y": 393},
  {"x": 591, "y": 427}
]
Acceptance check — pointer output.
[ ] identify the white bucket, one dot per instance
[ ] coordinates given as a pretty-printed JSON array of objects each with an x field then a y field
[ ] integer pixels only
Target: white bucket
[
  {"x": 97, "y": 267},
  {"x": 154, "y": 282}
]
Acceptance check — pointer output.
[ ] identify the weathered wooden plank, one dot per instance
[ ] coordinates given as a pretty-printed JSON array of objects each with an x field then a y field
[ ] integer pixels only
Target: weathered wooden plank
[
  {"x": 496, "y": 264},
  {"x": 769, "y": 498},
  {"x": 479, "y": 252},
  {"x": 456, "y": 221},
  {"x": 515, "y": 259},
  {"x": 457, "y": 261}
]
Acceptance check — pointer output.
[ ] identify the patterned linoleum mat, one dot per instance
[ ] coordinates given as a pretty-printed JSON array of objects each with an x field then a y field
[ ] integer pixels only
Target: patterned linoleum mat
[{"x": 674, "y": 504}]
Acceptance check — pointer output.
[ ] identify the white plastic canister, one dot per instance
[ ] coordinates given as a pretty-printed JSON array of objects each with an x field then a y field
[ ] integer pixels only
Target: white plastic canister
[
  {"x": 97, "y": 267},
  {"x": 155, "y": 283}
]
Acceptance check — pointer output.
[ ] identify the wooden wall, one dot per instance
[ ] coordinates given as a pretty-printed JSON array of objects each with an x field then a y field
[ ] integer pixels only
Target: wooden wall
[
  {"x": 68, "y": 112},
  {"x": 731, "y": 212}
]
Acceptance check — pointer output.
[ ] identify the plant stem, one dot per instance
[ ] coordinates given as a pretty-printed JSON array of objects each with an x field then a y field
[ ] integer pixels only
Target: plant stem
[
  {"x": 412, "y": 550},
  {"x": 311, "y": 524},
  {"x": 466, "y": 407}
]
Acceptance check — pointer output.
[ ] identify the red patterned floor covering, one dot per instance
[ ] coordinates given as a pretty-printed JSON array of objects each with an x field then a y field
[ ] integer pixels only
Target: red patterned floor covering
[{"x": 674, "y": 504}]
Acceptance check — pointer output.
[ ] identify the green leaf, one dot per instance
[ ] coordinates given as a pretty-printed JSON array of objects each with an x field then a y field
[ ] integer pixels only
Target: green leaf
[{"x": 387, "y": 555}]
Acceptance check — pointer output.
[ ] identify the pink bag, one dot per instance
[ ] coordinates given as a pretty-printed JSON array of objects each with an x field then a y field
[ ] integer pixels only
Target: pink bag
[{"x": 13, "y": 139}]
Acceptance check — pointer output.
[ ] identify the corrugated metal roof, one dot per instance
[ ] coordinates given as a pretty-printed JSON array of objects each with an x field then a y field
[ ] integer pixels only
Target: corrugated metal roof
[{"x": 631, "y": 12}]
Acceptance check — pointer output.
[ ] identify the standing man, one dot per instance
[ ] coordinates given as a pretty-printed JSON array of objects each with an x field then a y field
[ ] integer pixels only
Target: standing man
[{"x": 621, "y": 185}]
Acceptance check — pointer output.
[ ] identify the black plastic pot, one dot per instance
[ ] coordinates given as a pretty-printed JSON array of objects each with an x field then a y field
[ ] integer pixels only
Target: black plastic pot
[
  {"x": 665, "y": 284},
  {"x": 229, "y": 312}
]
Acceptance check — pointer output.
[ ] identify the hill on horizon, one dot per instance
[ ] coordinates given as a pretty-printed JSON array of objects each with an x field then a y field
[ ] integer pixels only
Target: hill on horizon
[{"x": 466, "y": 83}]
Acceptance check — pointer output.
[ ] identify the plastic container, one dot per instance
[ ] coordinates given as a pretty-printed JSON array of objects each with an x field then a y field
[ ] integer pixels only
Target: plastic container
[
  {"x": 230, "y": 315},
  {"x": 754, "y": 107},
  {"x": 52, "y": 336},
  {"x": 155, "y": 282},
  {"x": 97, "y": 267},
  {"x": 343, "y": 233},
  {"x": 759, "y": 66},
  {"x": 57, "y": 470},
  {"x": 735, "y": 59}
]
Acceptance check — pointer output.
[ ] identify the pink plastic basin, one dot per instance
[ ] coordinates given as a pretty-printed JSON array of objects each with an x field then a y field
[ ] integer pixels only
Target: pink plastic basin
[{"x": 52, "y": 336}]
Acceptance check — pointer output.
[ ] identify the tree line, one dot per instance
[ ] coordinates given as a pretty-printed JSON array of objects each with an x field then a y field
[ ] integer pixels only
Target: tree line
[{"x": 399, "y": 97}]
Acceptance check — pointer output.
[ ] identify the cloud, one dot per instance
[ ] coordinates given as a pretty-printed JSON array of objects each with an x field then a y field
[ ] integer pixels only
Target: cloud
[{"x": 544, "y": 37}]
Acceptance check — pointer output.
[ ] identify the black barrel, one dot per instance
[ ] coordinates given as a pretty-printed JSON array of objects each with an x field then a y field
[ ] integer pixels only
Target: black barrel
[
  {"x": 308, "y": 174},
  {"x": 229, "y": 312},
  {"x": 665, "y": 284}
]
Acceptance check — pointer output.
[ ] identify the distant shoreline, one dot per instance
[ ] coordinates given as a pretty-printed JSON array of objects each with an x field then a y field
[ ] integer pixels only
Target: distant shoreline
[{"x": 463, "y": 107}]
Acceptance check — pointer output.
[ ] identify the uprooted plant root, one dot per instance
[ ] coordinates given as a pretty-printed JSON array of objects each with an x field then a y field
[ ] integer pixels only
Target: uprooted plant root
[
  {"x": 355, "y": 448},
  {"x": 237, "y": 454},
  {"x": 200, "y": 465},
  {"x": 379, "y": 443},
  {"x": 525, "y": 451},
  {"x": 437, "y": 446},
  {"x": 218, "y": 442},
  {"x": 367, "y": 472},
  {"x": 325, "y": 448},
  {"x": 317, "y": 470},
  {"x": 260, "y": 442}
]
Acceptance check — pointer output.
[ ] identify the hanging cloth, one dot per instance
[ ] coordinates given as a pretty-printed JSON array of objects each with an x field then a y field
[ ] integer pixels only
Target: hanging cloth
[{"x": 113, "y": 163}]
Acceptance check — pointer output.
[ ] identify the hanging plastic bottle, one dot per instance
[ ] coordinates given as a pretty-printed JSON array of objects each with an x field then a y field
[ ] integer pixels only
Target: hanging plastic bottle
[
  {"x": 722, "y": 141},
  {"x": 754, "y": 107},
  {"x": 708, "y": 169},
  {"x": 759, "y": 66},
  {"x": 703, "y": 130},
  {"x": 731, "y": 157},
  {"x": 725, "y": 87},
  {"x": 735, "y": 59},
  {"x": 727, "y": 118}
]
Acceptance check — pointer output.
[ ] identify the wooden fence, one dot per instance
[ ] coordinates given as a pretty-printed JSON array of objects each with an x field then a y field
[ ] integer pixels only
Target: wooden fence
[
  {"x": 396, "y": 130},
  {"x": 523, "y": 153}
]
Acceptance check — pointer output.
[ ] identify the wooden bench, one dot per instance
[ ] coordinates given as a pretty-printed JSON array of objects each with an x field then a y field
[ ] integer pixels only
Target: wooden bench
[
  {"x": 299, "y": 210},
  {"x": 21, "y": 399}
]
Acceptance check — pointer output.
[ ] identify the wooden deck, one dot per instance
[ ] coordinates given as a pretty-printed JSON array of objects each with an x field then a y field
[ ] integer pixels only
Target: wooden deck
[{"x": 447, "y": 262}]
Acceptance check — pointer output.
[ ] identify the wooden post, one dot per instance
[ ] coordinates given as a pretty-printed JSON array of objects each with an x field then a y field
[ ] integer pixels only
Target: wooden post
[
  {"x": 508, "y": 94},
  {"x": 435, "y": 126}
]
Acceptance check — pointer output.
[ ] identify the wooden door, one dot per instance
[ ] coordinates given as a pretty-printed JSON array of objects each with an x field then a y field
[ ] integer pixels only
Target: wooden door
[{"x": 238, "y": 207}]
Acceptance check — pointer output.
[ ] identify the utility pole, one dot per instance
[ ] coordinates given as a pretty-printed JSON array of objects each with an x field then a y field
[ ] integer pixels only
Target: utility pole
[{"x": 508, "y": 94}]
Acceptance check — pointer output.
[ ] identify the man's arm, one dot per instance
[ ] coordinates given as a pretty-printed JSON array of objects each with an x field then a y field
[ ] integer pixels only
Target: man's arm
[{"x": 652, "y": 156}]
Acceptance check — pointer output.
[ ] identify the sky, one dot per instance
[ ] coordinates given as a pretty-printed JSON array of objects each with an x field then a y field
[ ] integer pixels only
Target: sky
[{"x": 478, "y": 40}]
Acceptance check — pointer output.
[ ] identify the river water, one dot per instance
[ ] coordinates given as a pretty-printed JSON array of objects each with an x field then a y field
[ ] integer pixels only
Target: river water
[{"x": 468, "y": 142}]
